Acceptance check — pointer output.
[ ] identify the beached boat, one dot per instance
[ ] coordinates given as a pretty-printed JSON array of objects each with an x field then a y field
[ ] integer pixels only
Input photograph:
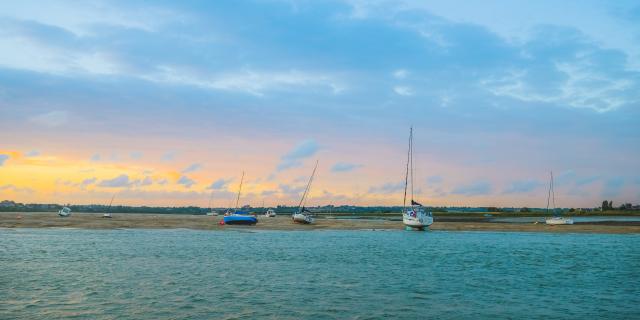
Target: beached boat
[
  {"x": 551, "y": 200},
  {"x": 302, "y": 215},
  {"x": 414, "y": 216},
  {"x": 64, "y": 212},
  {"x": 235, "y": 217},
  {"x": 108, "y": 213},
  {"x": 270, "y": 213}
]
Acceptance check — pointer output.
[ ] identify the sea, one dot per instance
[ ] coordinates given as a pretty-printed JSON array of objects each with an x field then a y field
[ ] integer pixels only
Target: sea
[{"x": 250, "y": 274}]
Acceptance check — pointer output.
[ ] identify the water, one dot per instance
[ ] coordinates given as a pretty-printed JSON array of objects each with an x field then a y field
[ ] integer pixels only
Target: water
[{"x": 172, "y": 274}]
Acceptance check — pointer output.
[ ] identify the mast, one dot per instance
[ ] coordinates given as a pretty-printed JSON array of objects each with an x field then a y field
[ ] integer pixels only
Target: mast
[
  {"x": 239, "y": 190},
  {"x": 406, "y": 176},
  {"x": 551, "y": 192},
  {"x": 411, "y": 152},
  {"x": 306, "y": 190},
  {"x": 110, "y": 202}
]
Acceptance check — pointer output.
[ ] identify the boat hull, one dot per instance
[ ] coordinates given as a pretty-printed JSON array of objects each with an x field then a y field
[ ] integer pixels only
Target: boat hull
[
  {"x": 64, "y": 212},
  {"x": 417, "y": 220},
  {"x": 240, "y": 220},
  {"x": 559, "y": 221},
  {"x": 302, "y": 218}
]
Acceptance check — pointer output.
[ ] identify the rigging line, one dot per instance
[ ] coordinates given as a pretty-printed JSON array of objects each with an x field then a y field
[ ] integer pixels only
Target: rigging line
[
  {"x": 110, "y": 202},
  {"x": 411, "y": 166},
  {"x": 553, "y": 192},
  {"x": 239, "y": 190},
  {"x": 549, "y": 195},
  {"x": 406, "y": 176},
  {"x": 308, "y": 189}
]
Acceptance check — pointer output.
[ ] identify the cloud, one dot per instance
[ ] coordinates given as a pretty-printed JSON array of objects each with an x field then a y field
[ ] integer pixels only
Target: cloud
[
  {"x": 219, "y": 184},
  {"x": 586, "y": 180},
  {"x": 294, "y": 157},
  {"x": 3, "y": 158},
  {"x": 387, "y": 188},
  {"x": 474, "y": 189},
  {"x": 293, "y": 191},
  {"x": 136, "y": 155},
  {"x": 345, "y": 167},
  {"x": 523, "y": 186},
  {"x": 147, "y": 181},
  {"x": 403, "y": 90},
  {"x": 192, "y": 168},
  {"x": 253, "y": 82},
  {"x": 33, "y": 153},
  {"x": 186, "y": 181},
  {"x": 11, "y": 187},
  {"x": 95, "y": 157},
  {"x": 169, "y": 156},
  {"x": 51, "y": 119},
  {"x": 400, "y": 73},
  {"x": 433, "y": 180},
  {"x": 119, "y": 181},
  {"x": 88, "y": 182},
  {"x": 613, "y": 187}
]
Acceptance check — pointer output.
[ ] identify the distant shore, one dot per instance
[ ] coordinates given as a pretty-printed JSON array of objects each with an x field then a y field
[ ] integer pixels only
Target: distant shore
[{"x": 282, "y": 222}]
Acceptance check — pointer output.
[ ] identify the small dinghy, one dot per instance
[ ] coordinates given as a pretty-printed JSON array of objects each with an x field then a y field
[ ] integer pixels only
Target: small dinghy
[
  {"x": 414, "y": 217},
  {"x": 64, "y": 212},
  {"x": 302, "y": 215},
  {"x": 235, "y": 217},
  {"x": 551, "y": 199}
]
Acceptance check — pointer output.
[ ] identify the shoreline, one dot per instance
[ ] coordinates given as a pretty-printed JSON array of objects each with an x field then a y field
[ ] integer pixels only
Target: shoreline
[{"x": 283, "y": 222}]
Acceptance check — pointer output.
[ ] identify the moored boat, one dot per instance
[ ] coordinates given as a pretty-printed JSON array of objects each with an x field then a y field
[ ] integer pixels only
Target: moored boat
[
  {"x": 270, "y": 213},
  {"x": 551, "y": 200},
  {"x": 414, "y": 216},
  {"x": 235, "y": 217},
  {"x": 302, "y": 215},
  {"x": 64, "y": 212}
]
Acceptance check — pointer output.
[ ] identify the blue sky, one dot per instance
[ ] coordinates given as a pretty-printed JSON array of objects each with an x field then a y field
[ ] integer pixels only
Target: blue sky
[{"x": 499, "y": 93}]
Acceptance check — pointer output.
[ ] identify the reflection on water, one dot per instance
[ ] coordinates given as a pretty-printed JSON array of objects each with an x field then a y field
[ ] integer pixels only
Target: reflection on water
[{"x": 162, "y": 274}]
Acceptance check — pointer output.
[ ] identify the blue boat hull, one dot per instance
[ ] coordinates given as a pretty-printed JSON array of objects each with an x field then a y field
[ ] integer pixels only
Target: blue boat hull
[{"x": 240, "y": 220}]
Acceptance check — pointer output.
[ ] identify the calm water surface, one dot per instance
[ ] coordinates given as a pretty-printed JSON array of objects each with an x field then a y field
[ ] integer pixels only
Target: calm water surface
[{"x": 169, "y": 274}]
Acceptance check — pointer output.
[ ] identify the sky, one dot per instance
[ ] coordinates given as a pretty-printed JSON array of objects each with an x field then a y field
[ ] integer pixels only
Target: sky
[{"x": 169, "y": 102}]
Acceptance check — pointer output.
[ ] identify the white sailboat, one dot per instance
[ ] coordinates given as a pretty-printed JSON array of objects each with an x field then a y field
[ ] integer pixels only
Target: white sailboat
[
  {"x": 302, "y": 215},
  {"x": 108, "y": 213},
  {"x": 556, "y": 219},
  {"x": 64, "y": 212},
  {"x": 413, "y": 216}
]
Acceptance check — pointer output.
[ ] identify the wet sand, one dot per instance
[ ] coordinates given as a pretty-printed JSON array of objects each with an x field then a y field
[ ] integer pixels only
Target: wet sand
[{"x": 282, "y": 222}]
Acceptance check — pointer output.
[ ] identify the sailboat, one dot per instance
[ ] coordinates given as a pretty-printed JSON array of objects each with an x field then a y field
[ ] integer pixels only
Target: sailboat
[
  {"x": 108, "y": 213},
  {"x": 556, "y": 219},
  {"x": 239, "y": 217},
  {"x": 413, "y": 216},
  {"x": 211, "y": 211},
  {"x": 302, "y": 215},
  {"x": 64, "y": 212}
]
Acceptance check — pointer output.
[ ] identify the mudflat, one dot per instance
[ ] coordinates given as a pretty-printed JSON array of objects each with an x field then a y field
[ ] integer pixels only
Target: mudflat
[{"x": 282, "y": 222}]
